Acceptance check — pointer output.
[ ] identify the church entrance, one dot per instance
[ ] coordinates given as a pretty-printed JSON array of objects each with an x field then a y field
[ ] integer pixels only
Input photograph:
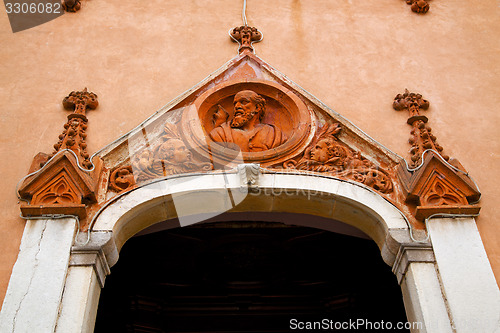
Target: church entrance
[{"x": 247, "y": 277}]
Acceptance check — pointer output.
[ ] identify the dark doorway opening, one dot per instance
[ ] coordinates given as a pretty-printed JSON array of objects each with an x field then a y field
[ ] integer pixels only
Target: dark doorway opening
[{"x": 248, "y": 277}]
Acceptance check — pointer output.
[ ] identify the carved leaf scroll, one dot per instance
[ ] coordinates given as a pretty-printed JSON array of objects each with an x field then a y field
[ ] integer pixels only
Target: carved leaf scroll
[{"x": 327, "y": 154}]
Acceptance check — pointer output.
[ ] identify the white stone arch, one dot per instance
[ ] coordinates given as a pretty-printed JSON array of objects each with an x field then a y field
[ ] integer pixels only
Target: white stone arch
[
  {"x": 69, "y": 275},
  {"x": 329, "y": 198},
  {"x": 347, "y": 202}
]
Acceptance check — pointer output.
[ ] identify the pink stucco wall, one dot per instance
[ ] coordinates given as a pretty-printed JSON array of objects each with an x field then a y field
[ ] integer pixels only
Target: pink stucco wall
[{"x": 354, "y": 55}]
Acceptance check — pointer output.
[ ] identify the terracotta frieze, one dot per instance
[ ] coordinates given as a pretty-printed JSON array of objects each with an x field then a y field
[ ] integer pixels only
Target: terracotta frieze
[
  {"x": 247, "y": 118},
  {"x": 249, "y": 122},
  {"x": 327, "y": 154},
  {"x": 170, "y": 156}
]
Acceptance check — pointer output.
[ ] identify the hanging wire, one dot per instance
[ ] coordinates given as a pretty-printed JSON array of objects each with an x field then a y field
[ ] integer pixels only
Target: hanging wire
[
  {"x": 47, "y": 163},
  {"x": 244, "y": 14},
  {"x": 60, "y": 216},
  {"x": 244, "y": 18}
]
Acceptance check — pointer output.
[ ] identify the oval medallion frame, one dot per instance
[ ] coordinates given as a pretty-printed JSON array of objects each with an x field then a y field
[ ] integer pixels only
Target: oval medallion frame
[{"x": 283, "y": 109}]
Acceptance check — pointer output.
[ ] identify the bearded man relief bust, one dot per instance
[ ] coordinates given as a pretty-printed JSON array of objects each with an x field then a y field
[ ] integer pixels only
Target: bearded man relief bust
[{"x": 246, "y": 130}]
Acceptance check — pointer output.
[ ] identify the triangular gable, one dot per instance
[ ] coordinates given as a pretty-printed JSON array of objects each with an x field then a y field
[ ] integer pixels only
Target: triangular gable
[
  {"x": 437, "y": 187},
  {"x": 292, "y": 114},
  {"x": 60, "y": 187}
]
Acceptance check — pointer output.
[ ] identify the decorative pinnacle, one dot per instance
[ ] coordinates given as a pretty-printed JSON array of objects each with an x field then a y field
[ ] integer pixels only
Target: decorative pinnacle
[
  {"x": 246, "y": 36},
  {"x": 73, "y": 137},
  {"x": 421, "y": 139}
]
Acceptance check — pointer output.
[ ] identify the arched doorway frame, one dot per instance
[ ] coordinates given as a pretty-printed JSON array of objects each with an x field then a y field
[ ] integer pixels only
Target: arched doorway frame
[{"x": 77, "y": 269}]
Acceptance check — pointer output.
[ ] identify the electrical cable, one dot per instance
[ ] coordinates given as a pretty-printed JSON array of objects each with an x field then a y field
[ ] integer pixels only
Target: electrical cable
[
  {"x": 427, "y": 219},
  {"x": 244, "y": 18},
  {"x": 243, "y": 13},
  {"x": 45, "y": 165}
]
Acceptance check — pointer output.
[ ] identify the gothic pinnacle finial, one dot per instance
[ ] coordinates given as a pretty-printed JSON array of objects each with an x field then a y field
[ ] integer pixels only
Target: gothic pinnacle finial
[
  {"x": 245, "y": 36},
  {"x": 422, "y": 139},
  {"x": 73, "y": 137}
]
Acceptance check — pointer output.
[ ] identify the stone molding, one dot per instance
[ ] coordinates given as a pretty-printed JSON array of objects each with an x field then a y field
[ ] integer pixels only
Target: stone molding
[
  {"x": 410, "y": 253},
  {"x": 94, "y": 258},
  {"x": 249, "y": 176}
]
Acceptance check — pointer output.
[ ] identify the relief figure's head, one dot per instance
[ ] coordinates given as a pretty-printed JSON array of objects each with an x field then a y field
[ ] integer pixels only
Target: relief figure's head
[
  {"x": 326, "y": 149},
  {"x": 248, "y": 105},
  {"x": 174, "y": 151}
]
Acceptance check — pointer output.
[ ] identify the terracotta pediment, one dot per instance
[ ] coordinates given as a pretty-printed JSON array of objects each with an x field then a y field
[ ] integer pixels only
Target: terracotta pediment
[
  {"x": 247, "y": 112},
  {"x": 438, "y": 187}
]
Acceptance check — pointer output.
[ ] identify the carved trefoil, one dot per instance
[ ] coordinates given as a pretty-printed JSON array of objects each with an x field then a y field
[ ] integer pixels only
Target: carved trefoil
[{"x": 59, "y": 188}]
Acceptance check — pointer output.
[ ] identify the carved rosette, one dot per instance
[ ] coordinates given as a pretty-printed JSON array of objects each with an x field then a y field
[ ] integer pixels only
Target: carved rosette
[
  {"x": 421, "y": 137},
  {"x": 121, "y": 179},
  {"x": 327, "y": 154}
]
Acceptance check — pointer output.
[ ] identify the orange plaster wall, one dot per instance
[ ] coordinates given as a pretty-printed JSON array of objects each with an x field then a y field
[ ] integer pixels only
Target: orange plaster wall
[{"x": 355, "y": 56}]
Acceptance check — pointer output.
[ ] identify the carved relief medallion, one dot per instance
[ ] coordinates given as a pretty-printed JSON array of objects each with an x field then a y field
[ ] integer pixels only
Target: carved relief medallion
[{"x": 252, "y": 121}]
